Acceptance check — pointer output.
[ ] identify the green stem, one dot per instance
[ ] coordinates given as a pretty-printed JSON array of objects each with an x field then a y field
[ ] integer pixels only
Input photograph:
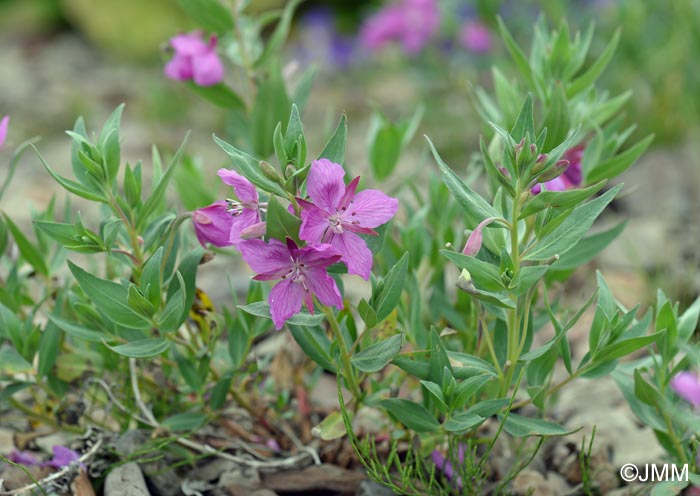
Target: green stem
[
  {"x": 489, "y": 343},
  {"x": 349, "y": 373}
]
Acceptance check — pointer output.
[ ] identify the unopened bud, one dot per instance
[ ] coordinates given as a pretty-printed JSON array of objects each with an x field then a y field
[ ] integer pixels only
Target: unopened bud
[
  {"x": 254, "y": 231},
  {"x": 289, "y": 170},
  {"x": 270, "y": 172},
  {"x": 555, "y": 171}
]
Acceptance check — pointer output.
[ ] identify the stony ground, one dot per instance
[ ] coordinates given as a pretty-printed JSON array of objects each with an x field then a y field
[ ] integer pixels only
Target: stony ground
[{"x": 45, "y": 85}]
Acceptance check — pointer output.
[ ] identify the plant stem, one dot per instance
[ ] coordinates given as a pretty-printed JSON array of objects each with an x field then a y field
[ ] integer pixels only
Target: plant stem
[
  {"x": 514, "y": 337},
  {"x": 349, "y": 374},
  {"x": 489, "y": 343}
]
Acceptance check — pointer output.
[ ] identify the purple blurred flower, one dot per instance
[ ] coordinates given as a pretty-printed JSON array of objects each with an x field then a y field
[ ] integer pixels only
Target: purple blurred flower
[
  {"x": 62, "y": 457},
  {"x": 338, "y": 214},
  {"x": 3, "y": 129},
  {"x": 687, "y": 386},
  {"x": 410, "y": 22},
  {"x": 23, "y": 458},
  {"x": 212, "y": 224},
  {"x": 572, "y": 176},
  {"x": 302, "y": 272},
  {"x": 475, "y": 37},
  {"x": 443, "y": 464},
  {"x": 320, "y": 41},
  {"x": 195, "y": 59}
]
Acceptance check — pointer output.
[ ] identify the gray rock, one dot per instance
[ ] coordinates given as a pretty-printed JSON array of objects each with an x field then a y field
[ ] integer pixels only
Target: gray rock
[
  {"x": 7, "y": 443},
  {"x": 126, "y": 480}
]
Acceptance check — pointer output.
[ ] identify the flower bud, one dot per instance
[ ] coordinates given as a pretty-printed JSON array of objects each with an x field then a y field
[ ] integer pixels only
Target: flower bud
[
  {"x": 475, "y": 238},
  {"x": 270, "y": 172},
  {"x": 254, "y": 231}
]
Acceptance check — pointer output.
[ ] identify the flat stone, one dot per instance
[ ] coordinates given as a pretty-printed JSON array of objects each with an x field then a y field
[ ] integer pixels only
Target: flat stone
[
  {"x": 126, "y": 480},
  {"x": 7, "y": 443}
]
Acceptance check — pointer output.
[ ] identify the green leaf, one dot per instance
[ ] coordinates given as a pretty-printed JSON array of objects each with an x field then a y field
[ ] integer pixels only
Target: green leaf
[
  {"x": 375, "y": 357},
  {"x": 566, "y": 235},
  {"x": 626, "y": 346},
  {"x": 335, "y": 148},
  {"x": 210, "y": 14},
  {"x": 220, "y": 95},
  {"x": 619, "y": 163},
  {"x": 435, "y": 392},
  {"x": 158, "y": 191},
  {"x": 110, "y": 298},
  {"x": 645, "y": 392},
  {"x": 559, "y": 199},
  {"x": 525, "y": 122},
  {"x": 410, "y": 414},
  {"x": 468, "y": 388},
  {"x": 688, "y": 321},
  {"x": 151, "y": 279},
  {"x": 587, "y": 248},
  {"x": 463, "y": 422},
  {"x": 519, "y": 426},
  {"x": 279, "y": 35},
  {"x": 49, "y": 346},
  {"x": 303, "y": 318},
  {"x": 517, "y": 54},
  {"x": 176, "y": 308},
  {"x": 316, "y": 345},
  {"x": 331, "y": 427},
  {"x": 527, "y": 277},
  {"x": 80, "y": 332},
  {"x": 485, "y": 275},
  {"x": 589, "y": 77},
  {"x": 475, "y": 207},
  {"x": 384, "y": 149},
  {"x": 557, "y": 119},
  {"x": 188, "y": 270},
  {"x": 367, "y": 313},
  {"x": 188, "y": 421},
  {"x": 280, "y": 223},
  {"x": 78, "y": 189},
  {"x": 138, "y": 302},
  {"x": 271, "y": 107},
  {"x": 28, "y": 251},
  {"x": 249, "y": 167},
  {"x": 141, "y": 348},
  {"x": 11, "y": 362},
  {"x": 390, "y": 289}
]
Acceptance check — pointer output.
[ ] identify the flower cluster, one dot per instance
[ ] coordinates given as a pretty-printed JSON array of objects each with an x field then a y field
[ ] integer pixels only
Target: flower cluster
[
  {"x": 333, "y": 217},
  {"x": 62, "y": 457},
  {"x": 195, "y": 59}
]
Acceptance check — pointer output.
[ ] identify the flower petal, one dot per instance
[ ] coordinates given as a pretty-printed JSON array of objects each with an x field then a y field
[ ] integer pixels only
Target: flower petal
[
  {"x": 371, "y": 208},
  {"x": 207, "y": 68},
  {"x": 3, "y": 129},
  {"x": 245, "y": 219},
  {"x": 189, "y": 43},
  {"x": 687, "y": 385},
  {"x": 62, "y": 457},
  {"x": 356, "y": 255},
  {"x": 212, "y": 224},
  {"x": 244, "y": 189},
  {"x": 318, "y": 255},
  {"x": 324, "y": 287},
  {"x": 271, "y": 258},
  {"x": 285, "y": 301},
  {"x": 314, "y": 224},
  {"x": 179, "y": 68},
  {"x": 325, "y": 184}
]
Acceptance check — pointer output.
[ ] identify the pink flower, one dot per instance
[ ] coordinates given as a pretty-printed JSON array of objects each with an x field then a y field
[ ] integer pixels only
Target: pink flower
[
  {"x": 23, "y": 458},
  {"x": 411, "y": 22},
  {"x": 687, "y": 386},
  {"x": 443, "y": 464},
  {"x": 473, "y": 245},
  {"x": 475, "y": 37},
  {"x": 195, "y": 59},
  {"x": 302, "y": 272},
  {"x": 62, "y": 457},
  {"x": 245, "y": 210},
  {"x": 572, "y": 176},
  {"x": 338, "y": 214},
  {"x": 3, "y": 129},
  {"x": 213, "y": 224}
]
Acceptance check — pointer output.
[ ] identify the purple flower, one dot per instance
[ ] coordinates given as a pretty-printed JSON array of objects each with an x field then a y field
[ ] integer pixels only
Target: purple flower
[
  {"x": 62, "y": 457},
  {"x": 23, "y": 458},
  {"x": 3, "y": 129},
  {"x": 687, "y": 386},
  {"x": 571, "y": 177},
  {"x": 213, "y": 224},
  {"x": 473, "y": 245},
  {"x": 195, "y": 59},
  {"x": 338, "y": 214},
  {"x": 245, "y": 210},
  {"x": 302, "y": 272},
  {"x": 410, "y": 22},
  {"x": 475, "y": 37},
  {"x": 443, "y": 464}
]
